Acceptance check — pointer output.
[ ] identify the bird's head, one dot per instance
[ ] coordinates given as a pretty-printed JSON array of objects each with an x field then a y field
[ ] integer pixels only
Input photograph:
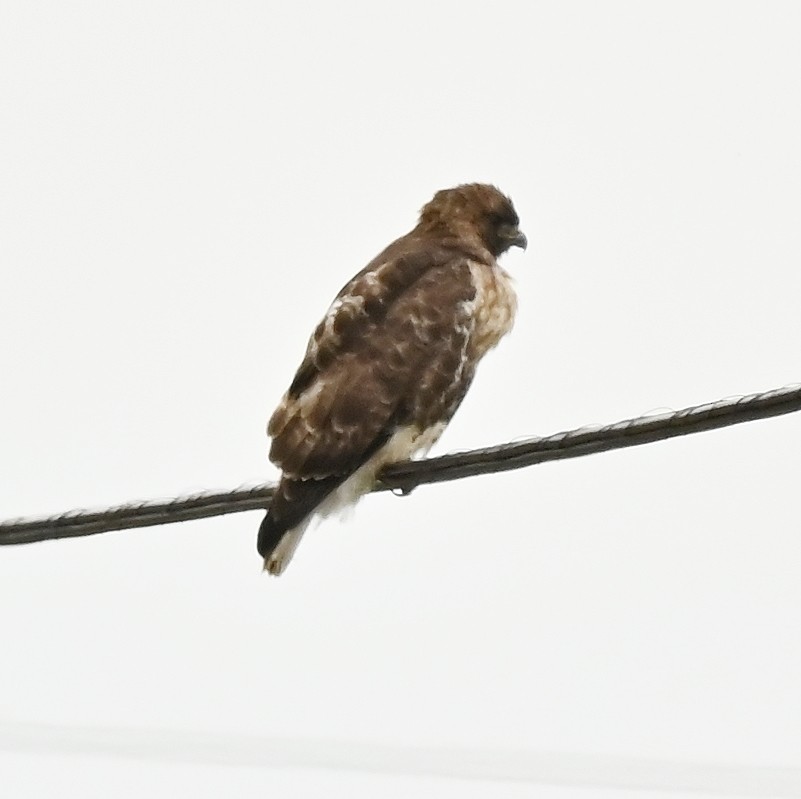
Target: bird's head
[{"x": 478, "y": 210}]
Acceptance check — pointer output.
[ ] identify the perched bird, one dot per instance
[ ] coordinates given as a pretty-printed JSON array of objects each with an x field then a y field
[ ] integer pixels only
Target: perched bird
[{"x": 391, "y": 360}]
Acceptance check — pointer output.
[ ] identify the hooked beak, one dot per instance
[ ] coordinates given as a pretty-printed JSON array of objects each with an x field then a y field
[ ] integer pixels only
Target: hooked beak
[
  {"x": 510, "y": 235},
  {"x": 518, "y": 239}
]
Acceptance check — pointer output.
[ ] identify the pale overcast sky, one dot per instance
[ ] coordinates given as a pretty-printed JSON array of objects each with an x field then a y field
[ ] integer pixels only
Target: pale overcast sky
[{"x": 185, "y": 186}]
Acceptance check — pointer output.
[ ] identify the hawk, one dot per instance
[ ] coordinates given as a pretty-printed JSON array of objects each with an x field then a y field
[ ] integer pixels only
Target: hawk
[{"x": 391, "y": 361}]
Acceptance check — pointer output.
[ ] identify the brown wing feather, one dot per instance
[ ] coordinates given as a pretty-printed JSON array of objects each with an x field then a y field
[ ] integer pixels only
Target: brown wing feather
[
  {"x": 363, "y": 301},
  {"x": 391, "y": 352}
]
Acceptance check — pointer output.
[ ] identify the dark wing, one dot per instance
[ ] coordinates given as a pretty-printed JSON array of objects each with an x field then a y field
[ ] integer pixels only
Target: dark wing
[{"x": 391, "y": 351}]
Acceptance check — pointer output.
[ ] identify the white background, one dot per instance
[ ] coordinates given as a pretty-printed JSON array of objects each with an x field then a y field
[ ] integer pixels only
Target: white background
[{"x": 185, "y": 186}]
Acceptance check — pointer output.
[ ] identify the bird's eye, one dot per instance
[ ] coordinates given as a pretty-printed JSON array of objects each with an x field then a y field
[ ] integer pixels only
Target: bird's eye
[
  {"x": 505, "y": 220},
  {"x": 506, "y": 228}
]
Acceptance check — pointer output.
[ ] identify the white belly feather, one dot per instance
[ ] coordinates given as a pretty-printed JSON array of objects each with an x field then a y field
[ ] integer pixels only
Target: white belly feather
[{"x": 495, "y": 305}]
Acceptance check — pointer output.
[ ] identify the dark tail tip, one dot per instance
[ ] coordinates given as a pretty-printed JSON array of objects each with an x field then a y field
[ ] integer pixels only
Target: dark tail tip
[{"x": 269, "y": 536}]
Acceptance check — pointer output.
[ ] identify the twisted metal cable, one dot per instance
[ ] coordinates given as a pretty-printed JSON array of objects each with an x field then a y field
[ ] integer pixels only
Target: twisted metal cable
[{"x": 404, "y": 477}]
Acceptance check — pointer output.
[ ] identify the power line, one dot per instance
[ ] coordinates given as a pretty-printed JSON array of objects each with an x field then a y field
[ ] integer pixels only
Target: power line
[
  {"x": 596, "y": 438},
  {"x": 404, "y": 477}
]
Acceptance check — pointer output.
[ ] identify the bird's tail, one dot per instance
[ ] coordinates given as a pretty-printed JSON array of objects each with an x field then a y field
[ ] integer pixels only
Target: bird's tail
[
  {"x": 277, "y": 555},
  {"x": 291, "y": 510}
]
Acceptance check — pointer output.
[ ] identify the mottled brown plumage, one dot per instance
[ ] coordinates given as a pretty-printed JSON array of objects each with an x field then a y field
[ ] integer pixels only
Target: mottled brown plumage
[{"x": 389, "y": 364}]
